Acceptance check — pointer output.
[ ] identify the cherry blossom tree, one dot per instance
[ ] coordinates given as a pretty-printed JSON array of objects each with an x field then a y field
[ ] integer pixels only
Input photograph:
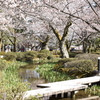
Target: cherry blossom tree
[{"x": 43, "y": 15}]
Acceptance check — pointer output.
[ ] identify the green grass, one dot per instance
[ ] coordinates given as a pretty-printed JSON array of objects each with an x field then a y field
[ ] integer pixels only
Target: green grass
[
  {"x": 11, "y": 86},
  {"x": 94, "y": 90},
  {"x": 46, "y": 71}
]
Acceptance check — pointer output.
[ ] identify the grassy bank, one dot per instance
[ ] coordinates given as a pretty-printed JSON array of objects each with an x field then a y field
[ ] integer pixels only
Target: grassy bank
[
  {"x": 11, "y": 86},
  {"x": 46, "y": 71}
]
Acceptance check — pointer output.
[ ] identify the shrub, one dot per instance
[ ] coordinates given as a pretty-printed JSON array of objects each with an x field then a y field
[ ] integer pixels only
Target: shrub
[
  {"x": 97, "y": 52},
  {"x": 10, "y": 56},
  {"x": 3, "y": 64},
  {"x": 56, "y": 56},
  {"x": 30, "y": 55},
  {"x": 74, "y": 67},
  {"x": 79, "y": 63},
  {"x": 20, "y": 56},
  {"x": 93, "y": 57},
  {"x": 2, "y": 53},
  {"x": 42, "y": 55},
  {"x": 56, "y": 52},
  {"x": 78, "y": 67},
  {"x": 64, "y": 60},
  {"x": 73, "y": 54},
  {"x": 50, "y": 57},
  {"x": 47, "y": 52},
  {"x": 61, "y": 62}
]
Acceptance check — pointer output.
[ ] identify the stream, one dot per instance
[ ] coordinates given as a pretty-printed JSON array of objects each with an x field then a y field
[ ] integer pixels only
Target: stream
[{"x": 30, "y": 75}]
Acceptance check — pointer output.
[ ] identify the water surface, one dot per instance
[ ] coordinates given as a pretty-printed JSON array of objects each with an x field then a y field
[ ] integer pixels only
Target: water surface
[{"x": 30, "y": 75}]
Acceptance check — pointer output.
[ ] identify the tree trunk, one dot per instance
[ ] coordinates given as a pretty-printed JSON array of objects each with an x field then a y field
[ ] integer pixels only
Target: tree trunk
[
  {"x": 63, "y": 44},
  {"x": 0, "y": 44},
  {"x": 44, "y": 44},
  {"x": 63, "y": 50},
  {"x": 15, "y": 44},
  {"x": 84, "y": 47},
  {"x": 89, "y": 48}
]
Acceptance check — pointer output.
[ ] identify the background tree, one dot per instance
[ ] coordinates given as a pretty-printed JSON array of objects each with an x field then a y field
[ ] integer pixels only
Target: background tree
[
  {"x": 62, "y": 40},
  {"x": 37, "y": 16}
]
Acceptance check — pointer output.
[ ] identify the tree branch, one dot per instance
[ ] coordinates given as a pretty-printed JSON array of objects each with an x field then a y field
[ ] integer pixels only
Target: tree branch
[
  {"x": 77, "y": 17},
  {"x": 69, "y": 23},
  {"x": 55, "y": 32}
]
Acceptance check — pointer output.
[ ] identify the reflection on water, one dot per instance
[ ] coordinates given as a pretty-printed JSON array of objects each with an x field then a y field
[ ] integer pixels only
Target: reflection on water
[
  {"x": 78, "y": 96},
  {"x": 30, "y": 75},
  {"x": 26, "y": 74}
]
